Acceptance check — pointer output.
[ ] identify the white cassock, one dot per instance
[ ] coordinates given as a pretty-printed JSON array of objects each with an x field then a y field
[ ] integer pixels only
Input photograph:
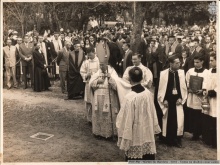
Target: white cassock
[
  {"x": 136, "y": 124},
  {"x": 193, "y": 101},
  {"x": 212, "y": 85},
  {"x": 179, "y": 108},
  {"x": 147, "y": 75},
  {"x": 57, "y": 46},
  {"x": 89, "y": 66}
]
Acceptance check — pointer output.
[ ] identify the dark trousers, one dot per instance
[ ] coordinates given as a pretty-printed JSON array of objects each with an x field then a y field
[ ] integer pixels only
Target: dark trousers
[
  {"x": 209, "y": 130},
  {"x": 27, "y": 70},
  {"x": 63, "y": 77},
  {"x": 196, "y": 122},
  {"x": 145, "y": 157}
]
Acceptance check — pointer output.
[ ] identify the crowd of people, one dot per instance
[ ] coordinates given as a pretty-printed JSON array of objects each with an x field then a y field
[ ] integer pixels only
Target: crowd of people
[{"x": 178, "y": 62}]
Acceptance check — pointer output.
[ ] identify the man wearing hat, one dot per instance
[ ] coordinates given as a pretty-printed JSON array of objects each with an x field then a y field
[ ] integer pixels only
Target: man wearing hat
[{"x": 172, "y": 94}]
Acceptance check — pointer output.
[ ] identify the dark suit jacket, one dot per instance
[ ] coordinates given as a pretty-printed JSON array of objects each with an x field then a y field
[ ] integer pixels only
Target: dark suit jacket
[
  {"x": 63, "y": 60},
  {"x": 49, "y": 50},
  {"x": 178, "y": 50},
  {"x": 202, "y": 52},
  {"x": 115, "y": 56},
  {"x": 127, "y": 60},
  {"x": 26, "y": 52},
  {"x": 142, "y": 50},
  {"x": 190, "y": 61}
]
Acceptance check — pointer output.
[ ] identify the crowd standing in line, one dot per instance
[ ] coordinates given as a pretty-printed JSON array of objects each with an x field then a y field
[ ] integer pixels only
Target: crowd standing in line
[{"x": 179, "y": 63}]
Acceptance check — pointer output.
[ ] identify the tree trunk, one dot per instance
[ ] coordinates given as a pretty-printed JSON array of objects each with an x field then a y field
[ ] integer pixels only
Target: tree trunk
[
  {"x": 22, "y": 29},
  {"x": 138, "y": 19}
]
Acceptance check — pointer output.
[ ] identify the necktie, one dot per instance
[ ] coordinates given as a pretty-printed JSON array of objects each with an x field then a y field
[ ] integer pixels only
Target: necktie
[{"x": 169, "y": 50}]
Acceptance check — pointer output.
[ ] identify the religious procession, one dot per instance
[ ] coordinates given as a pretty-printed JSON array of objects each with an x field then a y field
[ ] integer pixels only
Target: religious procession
[{"x": 138, "y": 94}]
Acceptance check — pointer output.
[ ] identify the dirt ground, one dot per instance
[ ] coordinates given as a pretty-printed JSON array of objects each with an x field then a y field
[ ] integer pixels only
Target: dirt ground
[{"x": 27, "y": 113}]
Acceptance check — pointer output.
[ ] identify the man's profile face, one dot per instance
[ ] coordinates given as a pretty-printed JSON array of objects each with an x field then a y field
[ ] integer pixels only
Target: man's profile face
[
  {"x": 136, "y": 60},
  {"x": 124, "y": 47},
  {"x": 212, "y": 62}
]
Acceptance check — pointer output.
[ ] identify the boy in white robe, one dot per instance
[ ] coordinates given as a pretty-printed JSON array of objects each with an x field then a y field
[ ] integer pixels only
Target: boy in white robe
[
  {"x": 194, "y": 97},
  {"x": 137, "y": 121},
  {"x": 172, "y": 94},
  {"x": 209, "y": 134},
  {"x": 88, "y": 68}
]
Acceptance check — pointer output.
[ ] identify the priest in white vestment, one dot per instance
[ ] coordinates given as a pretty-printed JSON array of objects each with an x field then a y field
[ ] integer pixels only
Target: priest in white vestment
[
  {"x": 88, "y": 68},
  {"x": 105, "y": 102},
  {"x": 137, "y": 121},
  {"x": 172, "y": 94},
  {"x": 147, "y": 74}
]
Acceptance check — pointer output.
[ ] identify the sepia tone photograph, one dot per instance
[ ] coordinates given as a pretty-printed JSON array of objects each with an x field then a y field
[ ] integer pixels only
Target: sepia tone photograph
[{"x": 109, "y": 81}]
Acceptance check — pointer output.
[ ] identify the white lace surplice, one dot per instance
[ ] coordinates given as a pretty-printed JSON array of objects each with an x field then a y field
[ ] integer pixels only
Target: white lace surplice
[{"x": 137, "y": 123}]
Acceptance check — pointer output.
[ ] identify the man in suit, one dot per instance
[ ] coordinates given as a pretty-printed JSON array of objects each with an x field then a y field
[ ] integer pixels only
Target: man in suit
[
  {"x": 189, "y": 63},
  {"x": 171, "y": 45},
  {"x": 10, "y": 53},
  {"x": 63, "y": 63},
  {"x": 143, "y": 49},
  {"x": 26, "y": 52},
  {"x": 62, "y": 38},
  {"x": 19, "y": 65},
  {"x": 126, "y": 61},
  {"x": 201, "y": 52}
]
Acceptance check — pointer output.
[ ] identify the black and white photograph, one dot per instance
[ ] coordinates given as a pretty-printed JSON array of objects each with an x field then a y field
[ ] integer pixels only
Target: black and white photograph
[{"x": 109, "y": 81}]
